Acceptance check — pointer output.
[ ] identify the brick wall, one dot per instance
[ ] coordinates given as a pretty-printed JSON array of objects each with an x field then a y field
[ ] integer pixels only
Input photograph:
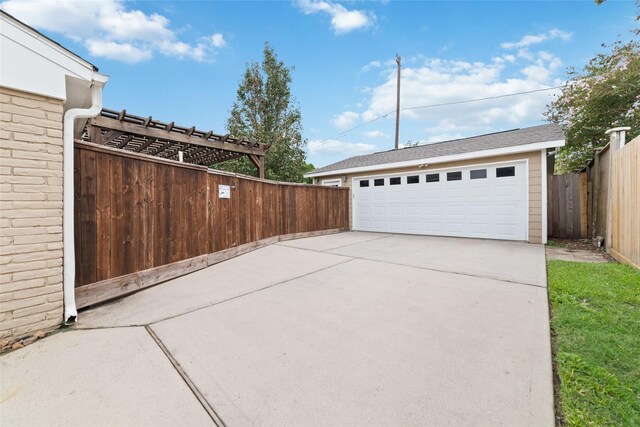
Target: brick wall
[{"x": 30, "y": 213}]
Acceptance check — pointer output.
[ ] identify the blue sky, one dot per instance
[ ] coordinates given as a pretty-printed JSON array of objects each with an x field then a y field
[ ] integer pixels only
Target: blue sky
[{"x": 181, "y": 60}]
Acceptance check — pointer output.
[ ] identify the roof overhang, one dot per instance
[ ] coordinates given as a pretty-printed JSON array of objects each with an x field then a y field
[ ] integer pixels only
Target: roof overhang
[
  {"x": 32, "y": 62},
  {"x": 444, "y": 159}
]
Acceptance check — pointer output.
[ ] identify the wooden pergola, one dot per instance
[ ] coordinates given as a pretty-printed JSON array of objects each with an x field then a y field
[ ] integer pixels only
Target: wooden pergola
[{"x": 124, "y": 131}]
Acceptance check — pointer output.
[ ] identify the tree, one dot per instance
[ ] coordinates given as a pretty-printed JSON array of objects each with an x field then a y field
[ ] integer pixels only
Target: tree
[
  {"x": 603, "y": 94},
  {"x": 308, "y": 168},
  {"x": 264, "y": 111}
]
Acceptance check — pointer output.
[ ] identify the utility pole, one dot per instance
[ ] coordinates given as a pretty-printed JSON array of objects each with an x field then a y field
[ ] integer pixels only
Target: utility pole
[{"x": 398, "y": 102}]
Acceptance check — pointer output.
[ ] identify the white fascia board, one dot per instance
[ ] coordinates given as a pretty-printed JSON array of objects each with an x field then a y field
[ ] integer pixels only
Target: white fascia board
[
  {"x": 444, "y": 159},
  {"x": 33, "y": 63}
]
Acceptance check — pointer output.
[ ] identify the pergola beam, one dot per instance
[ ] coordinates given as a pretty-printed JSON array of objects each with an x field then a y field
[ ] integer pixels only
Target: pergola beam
[
  {"x": 126, "y": 127},
  {"x": 118, "y": 129},
  {"x": 110, "y": 136}
]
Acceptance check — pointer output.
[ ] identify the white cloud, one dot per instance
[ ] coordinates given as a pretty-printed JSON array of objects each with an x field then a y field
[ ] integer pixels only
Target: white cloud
[
  {"x": 525, "y": 54},
  {"x": 344, "y": 148},
  {"x": 375, "y": 134},
  {"x": 218, "y": 40},
  {"x": 371, "y": 65},
  {"x": 439, "y": 81},
  {"x": 118, "y": 51},
  {"x": 109, "y": 29},
  {"x": 345, "y": 120},
  {"x": 343, "y": 20},
  {"x": 532, "y": 39}
]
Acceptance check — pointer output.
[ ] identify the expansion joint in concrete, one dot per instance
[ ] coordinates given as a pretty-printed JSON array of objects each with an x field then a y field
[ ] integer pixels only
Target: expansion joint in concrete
[
  {"x": 480, "y": 276},
  {"x": 251, "y": 292},
  {"x": 205, "y": 404}
]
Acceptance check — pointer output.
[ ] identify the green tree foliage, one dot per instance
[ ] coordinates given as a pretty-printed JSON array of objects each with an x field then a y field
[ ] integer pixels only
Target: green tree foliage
[
  {"x": 308, "y": 168},
  {"x": 603, "y": 94},
  {"x": 264, "y": 111}
]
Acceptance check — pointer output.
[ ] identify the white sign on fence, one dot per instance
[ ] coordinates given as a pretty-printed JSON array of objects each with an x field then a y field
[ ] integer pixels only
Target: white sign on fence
[{"x": 224, "y": 191}]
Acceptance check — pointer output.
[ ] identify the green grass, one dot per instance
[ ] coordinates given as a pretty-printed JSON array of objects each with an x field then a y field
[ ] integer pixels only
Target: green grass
[{"x": 596, "y": 319}]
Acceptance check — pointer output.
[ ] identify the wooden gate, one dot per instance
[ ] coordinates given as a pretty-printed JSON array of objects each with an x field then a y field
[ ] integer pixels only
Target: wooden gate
[{"x": 567, "y": 206}]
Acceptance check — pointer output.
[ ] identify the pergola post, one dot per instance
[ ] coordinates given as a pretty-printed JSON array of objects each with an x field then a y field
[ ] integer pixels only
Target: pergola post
[{"x": 258, "y": 162}]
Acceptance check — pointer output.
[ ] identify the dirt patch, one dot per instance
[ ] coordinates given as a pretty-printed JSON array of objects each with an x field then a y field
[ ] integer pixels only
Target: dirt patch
[
  {"x": 559, "y": 414},
  {"x": 584, "y": 244},
  {"x": 10, "y": 344},
  {"x": 581, "y": 250}
]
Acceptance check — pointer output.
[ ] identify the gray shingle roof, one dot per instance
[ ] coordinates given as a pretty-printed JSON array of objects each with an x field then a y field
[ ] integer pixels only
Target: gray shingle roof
[{"x": 509, "y": 138}]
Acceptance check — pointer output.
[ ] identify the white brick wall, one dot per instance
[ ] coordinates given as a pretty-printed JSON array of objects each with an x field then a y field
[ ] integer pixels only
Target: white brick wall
[{"x": 30, "y": 213}]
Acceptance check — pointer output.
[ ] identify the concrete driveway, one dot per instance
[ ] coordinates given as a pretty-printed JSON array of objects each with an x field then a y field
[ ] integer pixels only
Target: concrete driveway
[{"x": 346, "y": 329}]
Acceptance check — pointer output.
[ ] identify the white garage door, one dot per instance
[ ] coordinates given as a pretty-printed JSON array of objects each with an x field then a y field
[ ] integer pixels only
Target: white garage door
[{"x": 487, "y": 201}]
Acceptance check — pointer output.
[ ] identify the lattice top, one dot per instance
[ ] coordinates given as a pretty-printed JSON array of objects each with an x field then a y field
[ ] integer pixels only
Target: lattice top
[{"x": 119, "y": 129}]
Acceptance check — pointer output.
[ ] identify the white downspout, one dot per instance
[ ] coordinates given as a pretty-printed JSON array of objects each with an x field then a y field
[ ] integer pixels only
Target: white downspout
[{"x": 69, "y": 261}]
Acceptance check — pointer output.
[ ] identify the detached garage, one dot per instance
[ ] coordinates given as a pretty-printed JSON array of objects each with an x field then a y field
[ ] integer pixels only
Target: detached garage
[{"x": 490, "y": 186}]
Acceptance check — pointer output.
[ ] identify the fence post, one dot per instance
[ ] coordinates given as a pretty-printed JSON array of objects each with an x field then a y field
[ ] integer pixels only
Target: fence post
[{"x": 583, "y": 205}]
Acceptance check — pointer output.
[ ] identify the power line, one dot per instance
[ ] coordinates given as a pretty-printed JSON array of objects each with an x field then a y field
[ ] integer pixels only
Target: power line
[
  {"x": 481, "y": 99},
  {"x": 440, "y": 105}
]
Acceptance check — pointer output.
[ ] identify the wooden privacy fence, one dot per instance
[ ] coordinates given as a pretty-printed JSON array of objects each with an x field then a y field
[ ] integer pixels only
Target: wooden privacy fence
[
  {"x": 625, "y": 203},
  {"x": 567, "y": 206},
  {"x": 602, "y": 202},
  {"x": 141, "y": 220}
]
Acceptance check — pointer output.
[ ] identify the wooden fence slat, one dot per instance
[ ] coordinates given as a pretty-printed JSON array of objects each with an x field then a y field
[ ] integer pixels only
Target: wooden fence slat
[{"x": 103, "y": 221}]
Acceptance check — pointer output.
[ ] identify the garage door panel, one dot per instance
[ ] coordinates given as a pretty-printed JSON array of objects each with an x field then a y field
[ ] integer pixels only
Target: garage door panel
[
  {"x": 502, "y": 208},
  {"x": 396, "y": 226},
  {"x": 434, "y": 228},
  {"x": 414, "y": 211},
  {"x": 434, "y": 210},
  {"x": 454, "y": 228},
  {"x": 366, "y": 223},
  {"x": 432, "y": 194},
  {"x": 365, "y": 211},
  {"x": 380, "y": 225},
  {"x": 365, "y": 197},
  {"x": 380, "y": 196},
  {"x": 395, "y": 195},
  {"x": 395, "y": 210},
  {"x": 505, "y": 231},
  {"x": 414, "y": 227},
  {"x": 414, "y": 194},
  {"x": 479, "y": 210},
  {"x": 486, "y": 206},
  {"x": 479, "y": 194},
  {"x": 507, "y": 191},
  {"x": 455, "y": 211},
  {"x": 454, "y": 194}
]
